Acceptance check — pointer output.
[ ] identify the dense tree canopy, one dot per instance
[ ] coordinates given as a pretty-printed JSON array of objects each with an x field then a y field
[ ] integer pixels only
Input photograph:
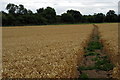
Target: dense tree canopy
[
  {"x": 119, "y": 18},
  {"x": 50, "y": 14},
  {"x": 19, "y": 15},
  {"x": 39, "y": 11},
  {"x": 76, "y": 15},
  {"x": 111, "y": 16},
  {"x": 99, "y": 18},
  {"x": 12, "y": 8},
  {"x": 68, "y": 18},
  {"x": 21, "y": 10}
]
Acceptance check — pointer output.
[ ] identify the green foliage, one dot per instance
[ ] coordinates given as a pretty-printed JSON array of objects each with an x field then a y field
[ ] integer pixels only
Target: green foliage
[
  {"x": 58, "y": 19},
  {"x": 83, "y": 75},
  {"x": 103, "y": 63},
  {"x": 40, "y": 10},
  {"x": 50, "y": 15},
  {"x": 12, "y": 8},
  {"x": 76, "y": 15},
  {"x": 119, "y": 18},
  {"x": 93, "y": 45},
  {"x": 21, "y": 10},
  {"x": 111, "y": 16},
  {"x": 105, "y": 67},
  {"x": 99, "y": 18},
  {"x": 86, "y": 68},
  {"x": 67, "y": 18},
  {"x": 18, "y": 15},
  {"x": 95, "y": 59}
]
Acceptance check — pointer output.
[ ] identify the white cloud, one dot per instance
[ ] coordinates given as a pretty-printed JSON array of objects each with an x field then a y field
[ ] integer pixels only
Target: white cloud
[{"x": 84, "y": 6}]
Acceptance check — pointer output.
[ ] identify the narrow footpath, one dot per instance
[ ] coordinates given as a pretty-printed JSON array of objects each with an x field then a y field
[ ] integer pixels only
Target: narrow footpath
[{"x": 95, "y": 63}]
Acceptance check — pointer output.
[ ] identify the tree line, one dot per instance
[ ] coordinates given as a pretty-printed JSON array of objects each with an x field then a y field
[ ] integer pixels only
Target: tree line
[{"x": 18, "y": 15}]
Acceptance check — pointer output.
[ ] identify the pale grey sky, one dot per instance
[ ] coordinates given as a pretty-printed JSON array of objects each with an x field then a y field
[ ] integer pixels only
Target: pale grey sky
[{"x": 61, "y": 6}]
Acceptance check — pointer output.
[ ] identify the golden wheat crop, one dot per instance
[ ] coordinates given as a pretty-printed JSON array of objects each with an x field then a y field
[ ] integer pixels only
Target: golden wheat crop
[
  {"x": 43, "y": 51},
  {"x": 109, "y": 38}
]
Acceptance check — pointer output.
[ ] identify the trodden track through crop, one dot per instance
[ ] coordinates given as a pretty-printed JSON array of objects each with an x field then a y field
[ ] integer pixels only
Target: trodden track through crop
[
  {"x": 96, "y": 63},
  {"x": 44, "y": 52}
]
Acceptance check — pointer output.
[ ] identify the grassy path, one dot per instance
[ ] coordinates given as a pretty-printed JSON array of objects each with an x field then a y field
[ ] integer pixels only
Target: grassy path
[{"x": 96, "y": 63}]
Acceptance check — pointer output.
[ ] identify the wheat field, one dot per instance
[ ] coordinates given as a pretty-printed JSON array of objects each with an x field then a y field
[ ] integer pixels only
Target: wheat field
[
  {"x": 109, "y": 38},
  {"x": 44, "y": 51}
]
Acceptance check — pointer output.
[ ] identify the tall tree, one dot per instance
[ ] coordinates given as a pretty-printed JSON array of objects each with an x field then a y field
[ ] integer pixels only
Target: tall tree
[
  {"x": 50, "y": 14},
  {"x": 21, "y": 9},
  {"x": 40, "y": 10},
  {"x": 76, "y": 14},
  {"x": 67, "y": 18},
  {"x": 111, "y": 16},
  {"x": 12, "y": 8}
]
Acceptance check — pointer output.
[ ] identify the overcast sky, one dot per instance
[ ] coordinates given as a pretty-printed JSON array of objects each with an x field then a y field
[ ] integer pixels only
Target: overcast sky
[{"x": 84, "y": 6}]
